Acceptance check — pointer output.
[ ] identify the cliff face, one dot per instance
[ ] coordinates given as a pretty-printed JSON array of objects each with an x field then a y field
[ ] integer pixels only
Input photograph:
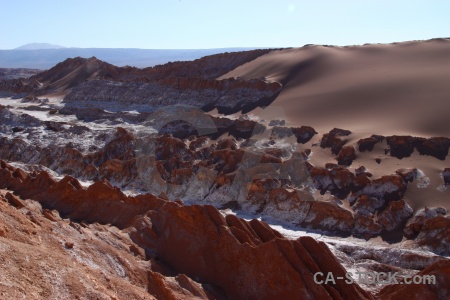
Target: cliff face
[{"x": 228, "y": 96}]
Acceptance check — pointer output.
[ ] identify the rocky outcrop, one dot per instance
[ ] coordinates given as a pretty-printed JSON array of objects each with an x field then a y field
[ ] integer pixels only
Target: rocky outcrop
[
  {"x": 403, "y": 146},
  {"x": 170, "y": 251},
  {"x": 303, "y": 134},
  {"x": 346, "y": 156},
  {"x": 334, "y": 140},
  {"x": 208, "y": 67},
  {"x": 435, "y": 235},
  {"x": 436, "y": 147},
  {"x": 63, "y": 76},
  {"x": 96, "y": 114},
  {"x": 228, "y": 96},
  {"x": 235, "y": 171},
  {"x": 395, "y": 215},
  {"x": 163, "y": 229},
  {"x": 236, "y": 248},
  {"x": 243, "y": 128},
  {"x": 390, "y": 187},
  {"x": 367, "y": 206},
  {"x": 67, "y": 259},
  {"x": 367, "y": 144},
  {"x": 92, "y": 83},
  {"x": 338, "y": 181},
  {"x": 437, "y": 289},
  {"x": 19, "y": 73},
  {"x": 71, "y": 199},
  {"x": 415, "y": 224},
  {"x": 10, "y": 87}
]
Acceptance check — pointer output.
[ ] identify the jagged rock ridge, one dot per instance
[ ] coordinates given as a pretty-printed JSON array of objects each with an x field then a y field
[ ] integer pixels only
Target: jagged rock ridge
[{"x": 91, "y": 82}]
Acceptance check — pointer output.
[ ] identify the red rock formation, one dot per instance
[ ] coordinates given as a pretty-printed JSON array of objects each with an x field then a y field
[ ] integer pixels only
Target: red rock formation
[
  {"x": 303, "y": 134},
  {"x": 66, "y": 259},
  {"x": 167, "y": 147},
  {"x": 116, "y": 170},
  {"x": 346, "y": 156},
  {"x": 435, "y": 235},
  {"x": 436, "y": 147},
  {"x": 401, "y": 146},
  {"x": 365, "y": 226},
  {"x": 245, "y": 259},
  {"x": 13, "y": 200},
  {"x": 390, "y": 187},
  {"x": 329, "y": 217},
  {"x": 438, "y": 290},
  {"x": 365, "y": 205},
  {"x": 415, "y": 224},
  {"x": 395, "y": 214},
  {"x": 333, "y": 140},
  {"x": 338, "y": 181},
  {"x": 71, "y": 200},
  {"x": 367, "y": 144}
]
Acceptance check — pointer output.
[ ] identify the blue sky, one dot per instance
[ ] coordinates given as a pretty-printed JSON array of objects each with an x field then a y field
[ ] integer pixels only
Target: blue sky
[{"x": 195, "y": 24}]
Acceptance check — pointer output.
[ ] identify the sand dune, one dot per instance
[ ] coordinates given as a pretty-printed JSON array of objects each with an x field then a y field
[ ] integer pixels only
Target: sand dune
[
  {"x": 394, "y": 89},
  {"x": 401, "y": 88}
]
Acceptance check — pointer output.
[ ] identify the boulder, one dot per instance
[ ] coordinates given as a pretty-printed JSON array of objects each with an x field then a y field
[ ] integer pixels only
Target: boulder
[
  {"x": 303, "y": 134},
  {"x": 346, "y": 156},
  {"x": 401, "y": 146},
  {"x": 367, "y": 144},
  {"x": 435, "y": 235},
  {"x": 395, "y": 215},
  {"x": 415, "y": 224},
  {"x": 436, "y": 147},
  {"x": 389, "y": 187},
  {"x": 334, "y": 140},
  {"x": 365, "y": 226},
  {"x": 367, "y": 206}
]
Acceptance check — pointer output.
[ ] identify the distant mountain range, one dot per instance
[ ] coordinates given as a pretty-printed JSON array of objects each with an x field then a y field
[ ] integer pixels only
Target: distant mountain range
[
  {"x": 44, "y": 56},
  {"x": 39, "y": 46}
]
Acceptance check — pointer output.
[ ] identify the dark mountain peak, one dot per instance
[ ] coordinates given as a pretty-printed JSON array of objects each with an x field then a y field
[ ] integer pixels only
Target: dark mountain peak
[{"x": 74, "y": 71}]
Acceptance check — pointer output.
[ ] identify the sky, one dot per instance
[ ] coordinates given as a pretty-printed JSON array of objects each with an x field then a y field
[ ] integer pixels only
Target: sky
[{"x": 202, "y": 24}]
